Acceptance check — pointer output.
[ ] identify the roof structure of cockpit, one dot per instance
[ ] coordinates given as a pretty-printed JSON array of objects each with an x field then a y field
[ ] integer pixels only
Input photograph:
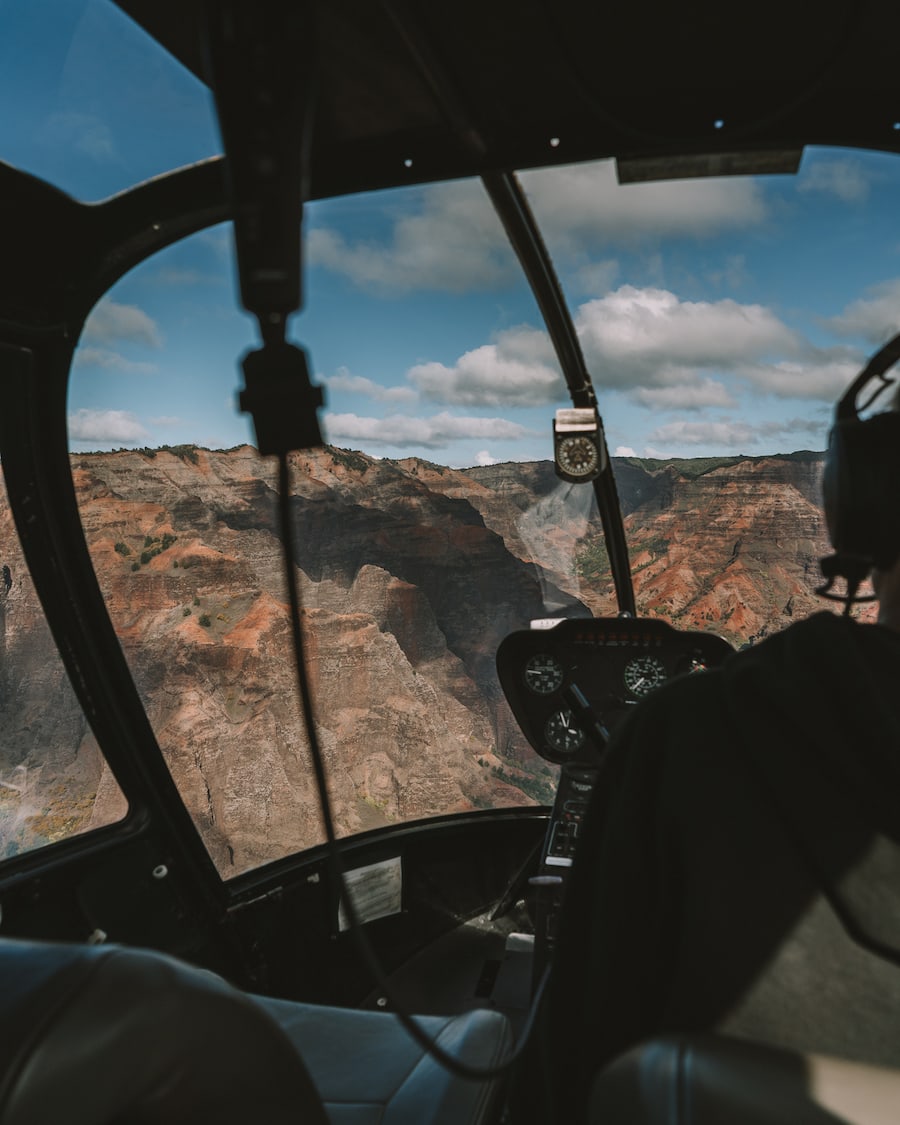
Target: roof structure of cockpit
[{"x": 538, "y": 83}]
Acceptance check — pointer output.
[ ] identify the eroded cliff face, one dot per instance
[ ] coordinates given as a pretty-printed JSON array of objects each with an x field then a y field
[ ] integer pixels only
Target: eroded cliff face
[
  {"x": 50, "y": 767},
  {"x": 733, "y": 549},
  {"x": 401, "y": 641},
  {"x": 410, "y": 574},
  {"x": 736, "y": 550}
]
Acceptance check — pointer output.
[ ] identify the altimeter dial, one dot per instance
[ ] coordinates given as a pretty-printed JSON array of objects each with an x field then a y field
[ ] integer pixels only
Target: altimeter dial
[
  {"x": 643, "y": 674},
  {"x": 543, "y": 674},
  {"x": 562, "y": 732}
]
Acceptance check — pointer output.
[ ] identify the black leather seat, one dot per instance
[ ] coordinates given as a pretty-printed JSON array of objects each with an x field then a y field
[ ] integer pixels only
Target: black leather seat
[
  {"x": 714, "y": 1080},
  {"x": 368, "y": 1071},
  {"x": 93, "y": 1035}
]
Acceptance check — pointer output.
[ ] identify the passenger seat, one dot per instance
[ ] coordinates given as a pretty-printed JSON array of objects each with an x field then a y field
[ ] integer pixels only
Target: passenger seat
[
  {"x": 93, "y": 1034},
  {"x": 369, "y": 1071}
]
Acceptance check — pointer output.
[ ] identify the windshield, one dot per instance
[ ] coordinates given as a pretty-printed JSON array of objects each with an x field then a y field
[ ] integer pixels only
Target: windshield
[
  {"x": 718, "y": 328},
  {"x": 719, "y": 318},
  {"x": 54, "y": 781}
]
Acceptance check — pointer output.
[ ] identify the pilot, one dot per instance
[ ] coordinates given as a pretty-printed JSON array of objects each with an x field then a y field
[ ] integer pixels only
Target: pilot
[{"x": 740, "y": 868}]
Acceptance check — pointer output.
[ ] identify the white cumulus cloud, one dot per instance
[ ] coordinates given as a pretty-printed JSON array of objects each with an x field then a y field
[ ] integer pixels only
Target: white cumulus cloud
[
  {"x": 451, "y": 241},
  {"x": 112, "y": 322},
  {"x": 585, "y": 201},
  {"x": 448, "y": 237},
  {"x": 106, "y": 426},
  {"x": 874, "y": 317},
  {"x": 110, "y": 360},
  {"x": 651, "y": 337},
  {"x": 822, "y": 373},
  {"x": 661, "y": 351},
  {"x": 517, "y": 369},
  {"x": 344, "y": 381},
  {"x": 736, "y": 435},
  {"x": 436, "y": 432},
  {"x": 691, "y": 394}
]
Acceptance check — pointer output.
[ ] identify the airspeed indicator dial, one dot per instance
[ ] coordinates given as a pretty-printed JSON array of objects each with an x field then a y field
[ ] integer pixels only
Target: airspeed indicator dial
[
  {"x": 543, "y": 674},
  {"x": 643, "y": 674}
]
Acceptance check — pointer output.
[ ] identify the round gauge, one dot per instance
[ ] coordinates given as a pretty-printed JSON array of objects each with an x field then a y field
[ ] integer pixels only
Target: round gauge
[
  {"x": 643, "y": 674},
  {"x": 562, "y": 734},
  {"x": 578, "y": 455},
  {"x": 543, "y": 674}
]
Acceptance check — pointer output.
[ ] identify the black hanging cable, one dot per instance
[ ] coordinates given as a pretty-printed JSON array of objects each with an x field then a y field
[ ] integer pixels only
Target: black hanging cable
[
  {"x": 424, "y": 1040},
  {"x": 262, "y": 109}
]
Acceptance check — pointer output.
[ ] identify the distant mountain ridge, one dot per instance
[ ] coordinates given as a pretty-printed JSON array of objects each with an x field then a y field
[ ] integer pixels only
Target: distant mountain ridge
[
  {"x": 411, "y": 573},
  {"x": 729, "y": 544}
]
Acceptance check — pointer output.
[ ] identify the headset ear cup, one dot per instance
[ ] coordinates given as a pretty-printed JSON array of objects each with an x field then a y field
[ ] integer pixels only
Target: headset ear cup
[{"x": 861, "y": 488}]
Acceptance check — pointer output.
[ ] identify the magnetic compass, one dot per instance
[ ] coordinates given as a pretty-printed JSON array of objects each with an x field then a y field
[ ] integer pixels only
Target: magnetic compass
[
  {"x": 578, "y": 456},
  {"x": 578, "y": 444}
]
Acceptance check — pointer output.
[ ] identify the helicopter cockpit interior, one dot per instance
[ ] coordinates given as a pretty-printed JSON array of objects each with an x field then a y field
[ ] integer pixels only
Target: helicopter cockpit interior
[{"x": 394, "y": 398}]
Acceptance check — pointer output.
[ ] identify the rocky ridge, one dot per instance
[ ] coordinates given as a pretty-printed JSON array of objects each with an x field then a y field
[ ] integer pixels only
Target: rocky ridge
[{"x": 410, "y": 574}]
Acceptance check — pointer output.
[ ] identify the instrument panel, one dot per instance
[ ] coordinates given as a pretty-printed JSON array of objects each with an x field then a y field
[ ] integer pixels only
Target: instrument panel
[{"x": 569, "y": 685}]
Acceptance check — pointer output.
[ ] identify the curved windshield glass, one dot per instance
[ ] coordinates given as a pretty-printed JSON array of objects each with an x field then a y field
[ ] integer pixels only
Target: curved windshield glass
[
  {"x": 54, "y": 782},
  {"x": 718, "y": 326},
  {"x": 98, "y": 105}
]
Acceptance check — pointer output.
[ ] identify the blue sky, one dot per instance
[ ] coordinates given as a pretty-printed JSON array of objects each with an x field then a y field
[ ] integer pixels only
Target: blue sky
[{"x": 717, "y": 316}]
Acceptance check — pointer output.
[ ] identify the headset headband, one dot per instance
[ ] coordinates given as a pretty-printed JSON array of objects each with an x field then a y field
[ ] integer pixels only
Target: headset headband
[
  {"x": 882, "y": 361},
  {"x": 860, "y": 483}
]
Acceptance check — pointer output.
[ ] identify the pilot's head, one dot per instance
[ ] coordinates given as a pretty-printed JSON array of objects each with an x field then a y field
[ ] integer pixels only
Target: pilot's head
[{"x": 861, "y": 491}]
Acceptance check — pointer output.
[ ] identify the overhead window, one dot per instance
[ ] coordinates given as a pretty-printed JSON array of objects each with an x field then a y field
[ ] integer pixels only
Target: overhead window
[{"x": 90, "y": 103}]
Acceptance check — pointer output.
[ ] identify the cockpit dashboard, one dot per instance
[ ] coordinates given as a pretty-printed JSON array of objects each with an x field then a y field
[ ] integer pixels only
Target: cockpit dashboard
[{"x": 569, "y": 683}]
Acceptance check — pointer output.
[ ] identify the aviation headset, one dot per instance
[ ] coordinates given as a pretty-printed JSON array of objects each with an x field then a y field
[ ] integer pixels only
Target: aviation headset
[{"x": 861, "y": 483}]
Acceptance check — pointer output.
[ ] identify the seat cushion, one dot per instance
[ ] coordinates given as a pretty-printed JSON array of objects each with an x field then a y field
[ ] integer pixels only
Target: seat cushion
[
  {"x": 708, "y": 1080},
  {"x": 369, "y": 1071}
]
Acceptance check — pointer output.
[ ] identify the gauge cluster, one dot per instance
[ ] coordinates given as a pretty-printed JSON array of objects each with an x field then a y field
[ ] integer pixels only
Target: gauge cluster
[{"x": 570, "y": 684}]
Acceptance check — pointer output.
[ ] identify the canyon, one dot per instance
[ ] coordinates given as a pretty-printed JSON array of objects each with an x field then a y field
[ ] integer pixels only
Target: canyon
[{"x": 410, "y": 574}]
